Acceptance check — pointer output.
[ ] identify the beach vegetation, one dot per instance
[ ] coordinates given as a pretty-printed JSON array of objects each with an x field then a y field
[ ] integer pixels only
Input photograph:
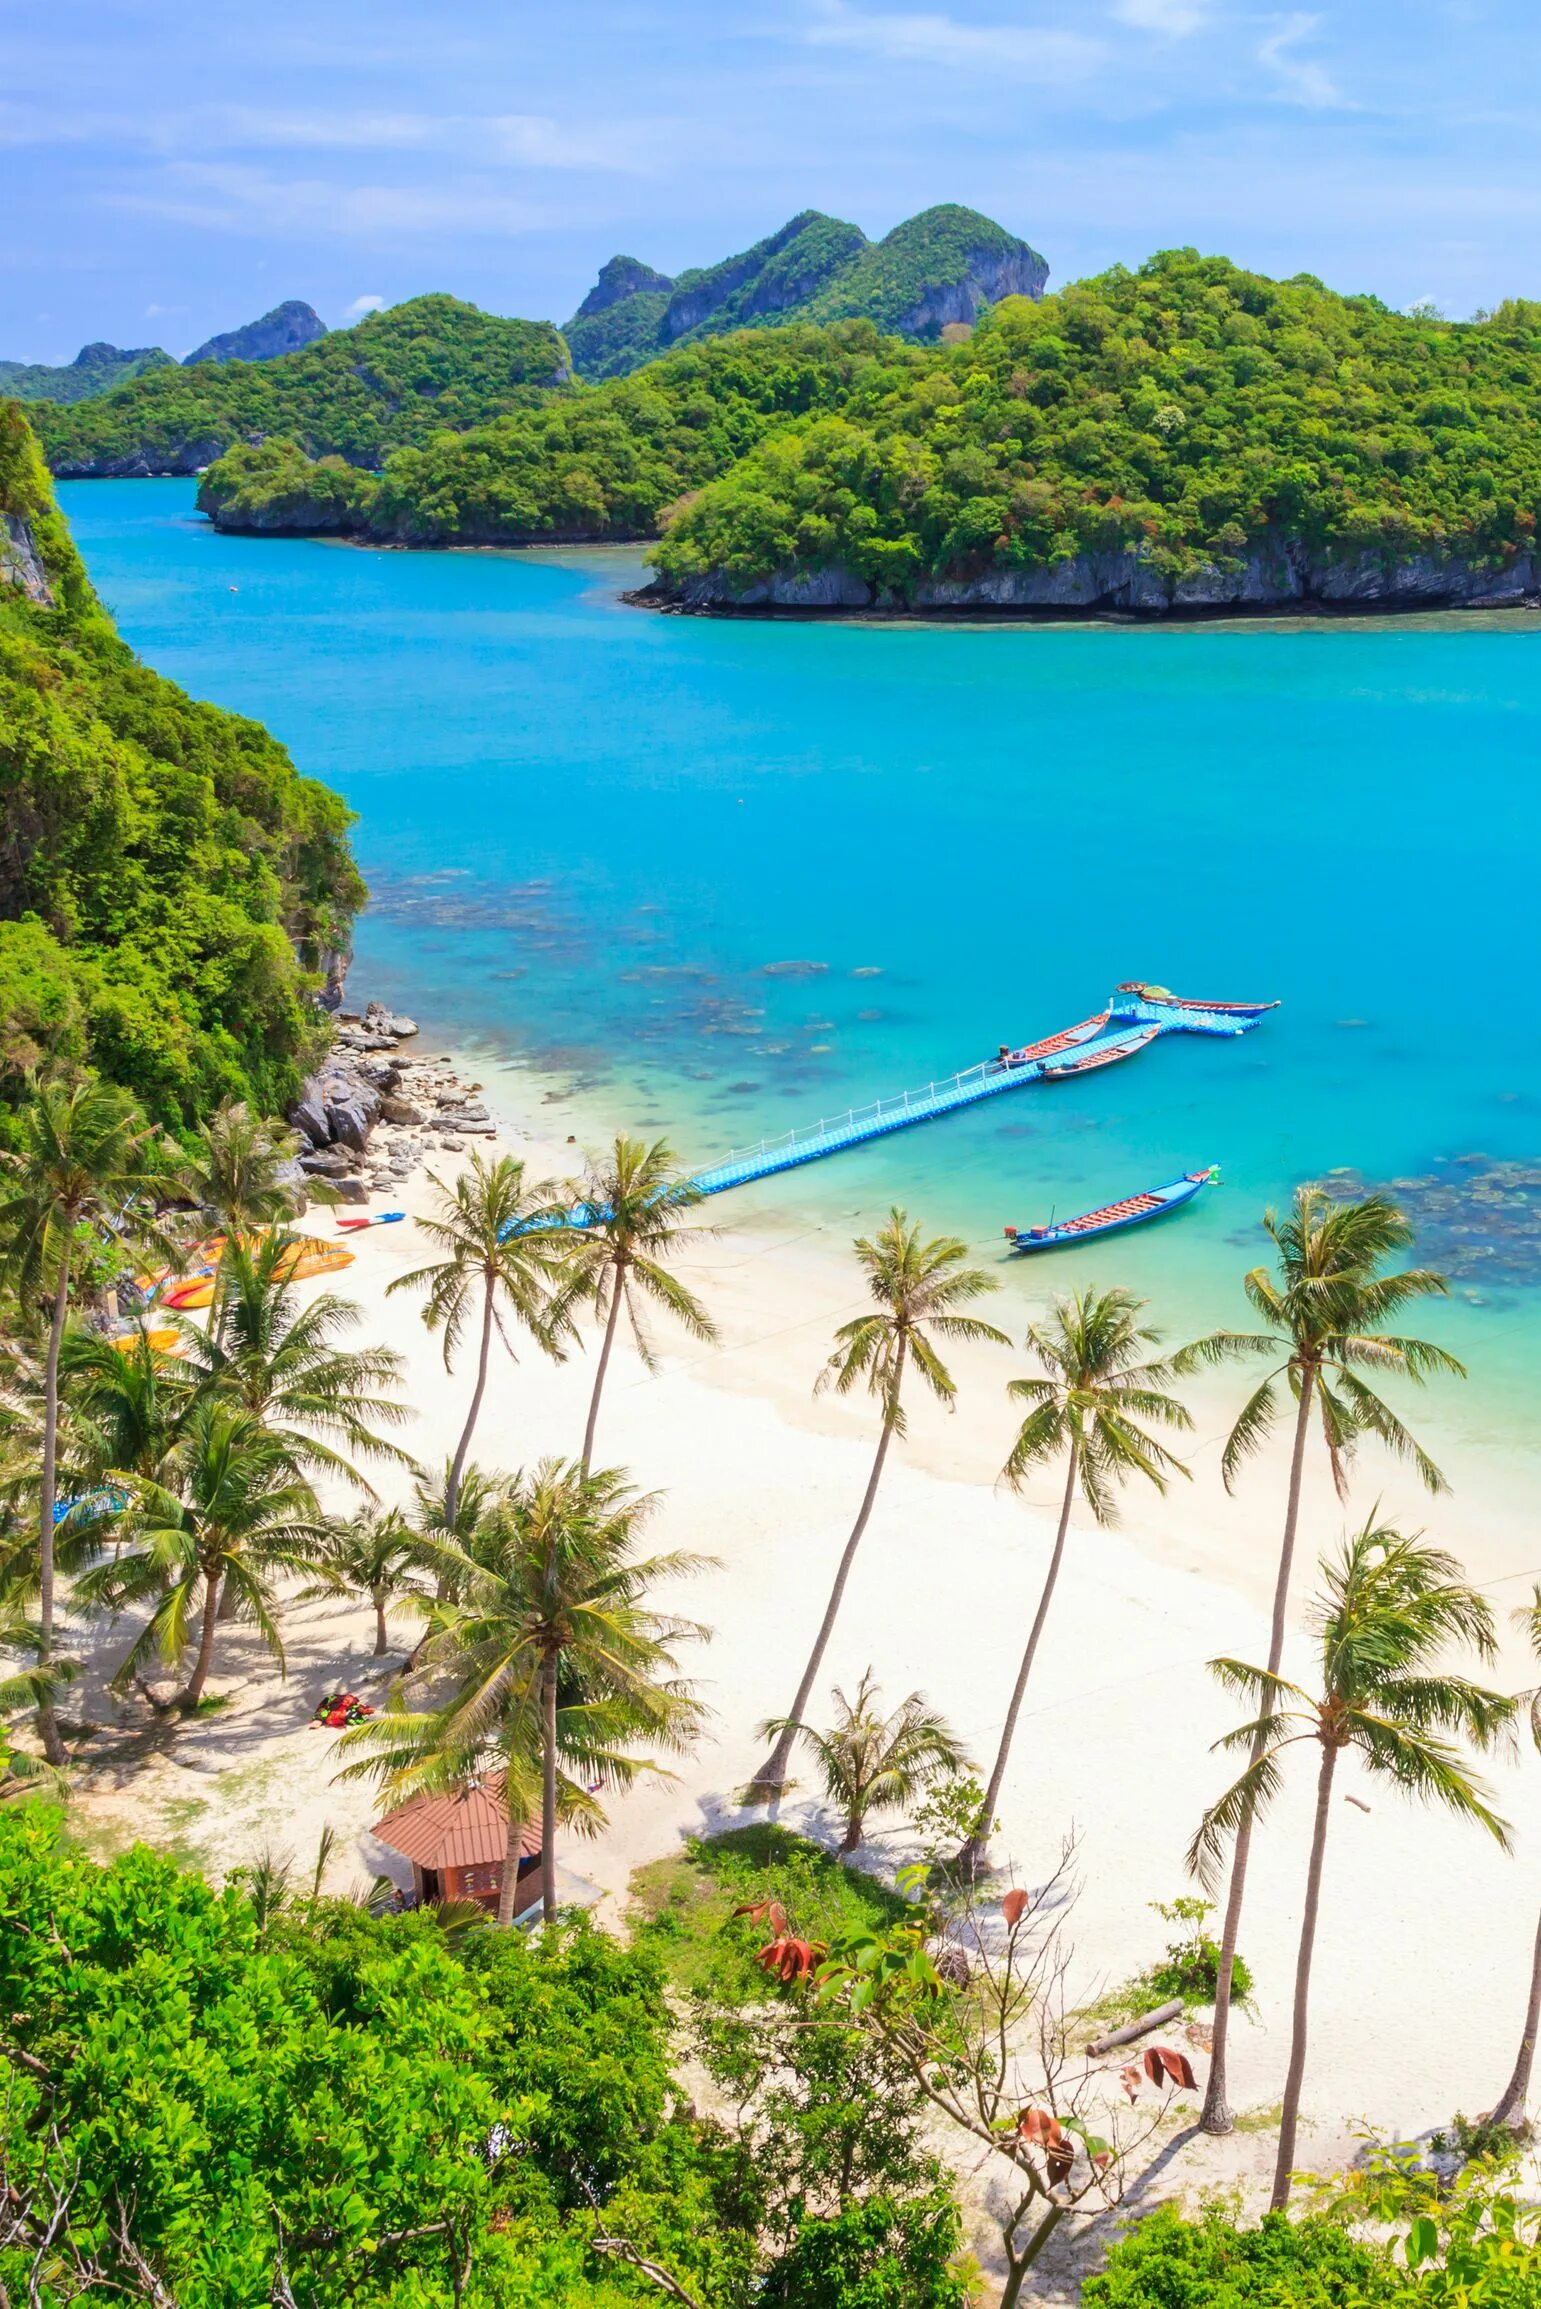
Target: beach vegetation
[
  {"x": 1327, "y": 1309},
  {"x": 237, "y": 1170},
  {"x": 871, "y": 1762},
  {"x": 919, "y": 1290},
  {"x": 377, "y": 1555},
  {"x": 1095, "y": 1396},
  {"x": 1391, "y": 1608},
  {"x": 630, "y": 1216},
  {"x": 1509, "y": 2111},
  {"x": 1167, "y": 2261}
]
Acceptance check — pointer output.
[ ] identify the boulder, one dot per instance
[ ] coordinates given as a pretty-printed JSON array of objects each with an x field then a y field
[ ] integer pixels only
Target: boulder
[
  {"x": 385, "y": 1021},
  {"x": 352, "y": 1190},
  {"x": 308, "y": 1113},
  {"x": 400, "y": 1110},
  {"x": 327, "y": 1162}
]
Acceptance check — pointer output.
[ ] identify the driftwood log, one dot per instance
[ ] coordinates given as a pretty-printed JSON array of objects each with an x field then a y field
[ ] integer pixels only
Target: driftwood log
[{"x": 1141, "y": 2027}]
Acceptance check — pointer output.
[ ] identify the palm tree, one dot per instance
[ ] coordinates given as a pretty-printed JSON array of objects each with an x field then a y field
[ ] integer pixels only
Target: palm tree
[
  {"x": 1510, "y": 2107},
  {"x": 916, "y": 1288},
  {"x": 876, "y": 1763},
  {"x": 1091, "y": 1398},
  {"x": 633, "y": 1208},
  {"x": 1390, "y": 1609},
  {"x": 125, "y": 1401},
  {"x": 234, "y": 1174},
  {"x": 231, "y": 1512},
  {"x": 279, "y": 1359},
  {"x": 1326, "y": 1307},
  {"x": 87, "y": 1161},
  {"x": 500, "y": 1237},
  {"x": 375, "y": 1555},
  {"x": 556, "y": 1660}
]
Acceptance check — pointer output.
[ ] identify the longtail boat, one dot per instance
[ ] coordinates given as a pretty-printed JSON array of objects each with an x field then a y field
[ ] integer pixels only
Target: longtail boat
[
  {"x": 1101, "y": 1054},
  {"x": 1165, "y": 999},
  {"x": 1066, "y": 1039},
  {"x": 1133, "y": 1211}
]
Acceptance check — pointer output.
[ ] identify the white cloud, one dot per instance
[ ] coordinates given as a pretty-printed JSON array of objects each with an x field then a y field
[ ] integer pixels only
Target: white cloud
[
  {"x": 533, "y": 141},
  {"x": 1301, "y": 79},
  {"x": 362, "y": 305},
  {"x": 230, "y": 197},
  {"x": 1176, "y": 18},
  {"x": 323, "y": 131},
  {"x": 941, "y": 40}
]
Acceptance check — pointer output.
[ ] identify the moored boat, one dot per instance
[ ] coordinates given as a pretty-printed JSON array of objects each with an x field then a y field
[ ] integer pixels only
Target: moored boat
[
  {"x": 1165, "y": 999},
  {"x": 1066, "y": 1039},
  {"x": 1111, "y": 1218},
  {"x": 1100, "y": 1054}
]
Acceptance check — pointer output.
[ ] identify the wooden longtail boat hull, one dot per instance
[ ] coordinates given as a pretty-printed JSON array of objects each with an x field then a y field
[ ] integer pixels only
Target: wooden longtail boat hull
[
  {"x": 1102, "y": 1054},
  {"x": 1066, "y": 1039},
  {"x": 1112, "y": 1218},
  {"x": 1165, "y": 999}
]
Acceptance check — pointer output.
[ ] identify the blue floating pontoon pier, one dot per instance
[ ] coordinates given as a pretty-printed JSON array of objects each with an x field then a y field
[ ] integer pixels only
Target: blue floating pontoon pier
[{"x": 1136, "y": 1016}]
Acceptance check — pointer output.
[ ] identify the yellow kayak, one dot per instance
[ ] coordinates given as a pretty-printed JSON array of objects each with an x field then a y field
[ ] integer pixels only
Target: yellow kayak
[
  {"x": 163, "y": 1342},
  {"x": 310, "y": 1256}
]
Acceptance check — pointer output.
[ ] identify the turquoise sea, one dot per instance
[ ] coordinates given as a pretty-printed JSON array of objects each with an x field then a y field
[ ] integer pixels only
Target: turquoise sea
[{"x": 592, "y": 833}]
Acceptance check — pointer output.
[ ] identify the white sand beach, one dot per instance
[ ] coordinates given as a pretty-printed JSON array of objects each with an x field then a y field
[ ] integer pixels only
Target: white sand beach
[{"x": 1426, "y": 1925}]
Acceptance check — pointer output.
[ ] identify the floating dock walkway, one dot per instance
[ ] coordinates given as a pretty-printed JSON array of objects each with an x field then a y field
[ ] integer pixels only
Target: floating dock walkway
[{"x": 1134, "y": 1018}]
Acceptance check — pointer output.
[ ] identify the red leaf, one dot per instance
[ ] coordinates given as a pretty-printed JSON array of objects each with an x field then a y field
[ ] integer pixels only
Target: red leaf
[
  {"x": 1163, "y": 2065},
  {"x": 1130, "y": 2079},
  {"x": 1014, "y": 1907}
]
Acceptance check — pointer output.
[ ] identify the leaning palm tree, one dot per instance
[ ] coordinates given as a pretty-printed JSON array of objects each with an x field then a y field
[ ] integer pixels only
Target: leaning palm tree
[
  {"x": 1391, "y": 1607},
  {"x": 1094, "y": 1397},
  {"x": 87, "y": 1162},
  {"x": 917, "y": 1288},
  {"x": 872, "y": 1762},
  {"x": 560, "y": 1670},
  {"x": 1327, "y": 1307},
  {"x": 502, "y": 1241},
  {"x": 1510, "y": 2107},
  {"x": 630, "y": 1217},
  {"x": 230, "y": 1515},
  {"x": 234, "y": 1173},
  {"x": 278, "y": 1356},
  {"x": 374, "y": 1555}
]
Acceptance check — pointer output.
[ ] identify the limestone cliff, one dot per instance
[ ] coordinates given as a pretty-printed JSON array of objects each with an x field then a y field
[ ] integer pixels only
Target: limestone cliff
[{"x": 284, "y": 330}]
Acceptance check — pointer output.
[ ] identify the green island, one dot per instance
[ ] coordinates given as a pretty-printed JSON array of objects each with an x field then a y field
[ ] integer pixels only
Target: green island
[
  {"x": 1184, "y": 437},
  {"x": 171, "y": 888},
  {"x": 397, "y": 378},
  {"x": 96, "y": 368}
]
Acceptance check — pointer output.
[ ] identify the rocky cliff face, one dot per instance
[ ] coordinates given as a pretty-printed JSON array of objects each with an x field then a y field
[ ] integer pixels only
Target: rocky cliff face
[
  {"x": 284, "y": 330},
  {"x": 1276, "y": 574},
  {"x": 620, "y": 277},
  {"x": 21, "y": 564},
  {"x": 96, "y": 368},
  {"x": 991, "y": 275},
  {"x": 182, "y": 457}
]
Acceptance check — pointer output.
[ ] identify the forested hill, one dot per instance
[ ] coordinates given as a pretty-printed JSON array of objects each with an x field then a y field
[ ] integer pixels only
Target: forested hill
[
  {"x": 95, "y": 369},
  {"x": 607, "y": 461},
  {"x": 396, "y": 378},
  {"x": 940, "y": 267},
  {"x": 160, "y": 862}
]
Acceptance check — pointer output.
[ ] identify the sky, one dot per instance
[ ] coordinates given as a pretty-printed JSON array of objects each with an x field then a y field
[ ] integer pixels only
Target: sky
[{"x": 169, "y": 170}]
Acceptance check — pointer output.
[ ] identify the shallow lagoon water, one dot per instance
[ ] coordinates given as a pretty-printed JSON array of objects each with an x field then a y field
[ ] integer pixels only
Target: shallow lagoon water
[{"x": 597, "y": 838}]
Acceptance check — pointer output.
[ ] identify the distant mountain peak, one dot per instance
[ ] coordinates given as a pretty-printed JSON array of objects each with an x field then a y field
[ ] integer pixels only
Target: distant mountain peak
[
  {"x": 284, "y": 330},
  {"x": 942, "y": 266}
]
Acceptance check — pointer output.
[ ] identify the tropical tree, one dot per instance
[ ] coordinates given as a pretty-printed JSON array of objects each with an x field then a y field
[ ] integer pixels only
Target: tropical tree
[
  {"x": 375, "y": 1555},
  {"x": 86, "y": 1163},
  {"x": 1390, "y": 1608},
  {"x": 125, "y": 1402},
  {"x": 1510, "y": 2107},
  {"x": 234, "y": 1171},
  {"x": 1094, "y": 1397},
  {"x": 278, "y": 1357},
  {"x": 560, "y": 1670},
  {"x": 231, "y": 1513},
  {"x": 872, "y": 1762},
  {"x": 1327, "y": 1307},
  {"x": 917, "y": 1289},
  {"x": 631, "y": 1214},
  {"x": 502, "y": 1245}
]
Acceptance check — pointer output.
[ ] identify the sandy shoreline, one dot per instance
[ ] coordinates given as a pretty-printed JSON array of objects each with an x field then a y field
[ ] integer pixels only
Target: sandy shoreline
[{"x": 1426, "y": 1927}]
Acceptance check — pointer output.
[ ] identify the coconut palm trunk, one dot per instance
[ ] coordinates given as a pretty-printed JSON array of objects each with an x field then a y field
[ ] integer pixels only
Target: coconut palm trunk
[
  {"x": 1297, "y": 2068},
  {"x": 462, "y": 1449},
  {"x": 548, "y": 1794},
  {"x": 508, "y": 1890},
  {"x": 48, "y": 1726},
  {"x": 617, "y": 1291},
  {"x": 971, "y": 1858},
  {"x": 205, "y": 1660},
  {"x": 769, "y": 1781},
  {"x": 1217, "y": 2115},
  {"x": 1510, "y": 2110},
  {"x": 382, "y": 1633}
]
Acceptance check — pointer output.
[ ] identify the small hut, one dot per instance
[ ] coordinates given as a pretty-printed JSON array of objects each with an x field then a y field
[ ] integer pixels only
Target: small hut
[{"x": 458, "y": 1845}]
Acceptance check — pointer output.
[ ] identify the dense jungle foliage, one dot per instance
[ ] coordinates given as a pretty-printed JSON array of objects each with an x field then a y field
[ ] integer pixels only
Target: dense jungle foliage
[
  {"x": 1182, "y": 412},
  {"x": 160, "y": 862},
  {"x": 603, "y": 462},
  {"x": 256, "y": 2098},
  {"x": 399, "y": 376},
  {"x": 95, "y": 369}
]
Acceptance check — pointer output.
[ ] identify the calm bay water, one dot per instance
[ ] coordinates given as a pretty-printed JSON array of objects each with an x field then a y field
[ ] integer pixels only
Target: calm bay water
[{"x": 590, "y": 831}]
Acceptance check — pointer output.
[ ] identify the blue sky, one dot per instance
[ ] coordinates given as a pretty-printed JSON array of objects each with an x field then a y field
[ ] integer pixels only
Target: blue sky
[{"x": 170, "y": 169}]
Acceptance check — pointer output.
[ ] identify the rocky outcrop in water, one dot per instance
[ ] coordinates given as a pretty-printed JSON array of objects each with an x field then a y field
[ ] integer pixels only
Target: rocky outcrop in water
[
  {"x": 1276, "y": 574},
  {"x": 367, "y": 1118},
  {"x": 284, "y": 330}
]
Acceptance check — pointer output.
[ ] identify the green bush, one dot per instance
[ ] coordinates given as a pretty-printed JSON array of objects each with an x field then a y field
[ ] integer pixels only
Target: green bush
[{"x": 1167, "y": 2262}]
